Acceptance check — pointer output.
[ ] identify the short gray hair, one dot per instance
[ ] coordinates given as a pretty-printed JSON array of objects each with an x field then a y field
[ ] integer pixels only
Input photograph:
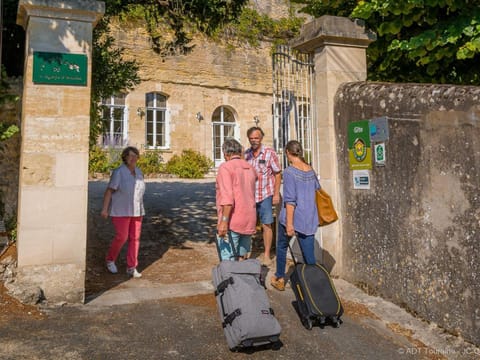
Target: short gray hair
[{"x": 232, "y": 147}]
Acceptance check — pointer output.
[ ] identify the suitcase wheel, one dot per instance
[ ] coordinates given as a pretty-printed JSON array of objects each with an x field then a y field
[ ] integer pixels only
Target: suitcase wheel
[
  {"x": 307, "y": 323},
  {"x": 337, "y": 322}
]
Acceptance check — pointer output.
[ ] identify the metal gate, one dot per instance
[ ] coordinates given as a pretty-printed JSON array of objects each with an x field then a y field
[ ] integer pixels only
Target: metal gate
[{"x": 293, "y": 105}]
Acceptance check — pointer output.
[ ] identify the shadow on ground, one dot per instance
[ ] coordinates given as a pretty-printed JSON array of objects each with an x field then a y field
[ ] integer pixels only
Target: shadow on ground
[{"x": 177, "y": 235}]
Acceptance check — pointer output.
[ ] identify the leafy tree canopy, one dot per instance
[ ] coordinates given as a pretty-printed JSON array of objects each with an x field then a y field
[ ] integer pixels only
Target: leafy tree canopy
[{"x": 435, "y": 41}]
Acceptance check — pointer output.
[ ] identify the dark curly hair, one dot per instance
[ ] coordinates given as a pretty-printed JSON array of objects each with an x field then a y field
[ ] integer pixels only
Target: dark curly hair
[{"x": 127, "y": 150}]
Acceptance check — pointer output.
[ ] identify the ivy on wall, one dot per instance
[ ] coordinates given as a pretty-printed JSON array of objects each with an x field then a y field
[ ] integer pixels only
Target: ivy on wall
[
  {"x": 172, "y": 24},
  {"x": 6, "y": 130}
]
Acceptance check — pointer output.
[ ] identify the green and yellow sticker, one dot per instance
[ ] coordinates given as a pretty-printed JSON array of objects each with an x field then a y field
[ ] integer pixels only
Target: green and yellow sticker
[{"x": 359, "y": 150}]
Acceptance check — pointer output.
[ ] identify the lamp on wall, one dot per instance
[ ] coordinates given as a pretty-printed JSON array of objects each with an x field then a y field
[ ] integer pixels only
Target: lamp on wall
[
  {"x": 140, "y": 112},
  {"x": 256, "y": 120},
  {"x": 199, "y": 116}
]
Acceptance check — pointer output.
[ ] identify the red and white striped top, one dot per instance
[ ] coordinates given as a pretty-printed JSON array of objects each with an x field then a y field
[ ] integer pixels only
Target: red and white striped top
[{"x": 266, "y": 165}]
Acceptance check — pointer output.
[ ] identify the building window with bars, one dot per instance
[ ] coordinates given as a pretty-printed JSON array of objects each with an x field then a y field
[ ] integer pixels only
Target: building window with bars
[
  {"x": 157, "y": 123},
  {"x": 114, "y": 121}
]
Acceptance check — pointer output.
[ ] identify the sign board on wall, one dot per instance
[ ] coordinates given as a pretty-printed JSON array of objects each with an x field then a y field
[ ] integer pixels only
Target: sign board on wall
[
  {"x": 359, "y": 150},
  {"x": 379, "y": 129},
  {"x": 361, "y": 179},
  {"x": 59, "y": 69},
  {"x": 380, "y": 154}
]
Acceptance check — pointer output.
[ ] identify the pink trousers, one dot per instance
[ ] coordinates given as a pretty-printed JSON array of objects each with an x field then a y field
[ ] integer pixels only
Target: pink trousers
[{"x": 126, "y": 227}]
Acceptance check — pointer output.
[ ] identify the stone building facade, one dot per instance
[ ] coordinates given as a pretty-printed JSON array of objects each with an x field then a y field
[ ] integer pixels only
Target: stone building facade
[{"x": 193, "y": 101}]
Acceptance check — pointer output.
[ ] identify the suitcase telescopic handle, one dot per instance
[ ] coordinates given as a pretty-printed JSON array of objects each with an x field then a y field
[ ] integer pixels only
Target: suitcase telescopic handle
[
  {"x": 289, "y": 238},
  {"x": 232, "y": 245},
  {"x": 236, "y": 256}
]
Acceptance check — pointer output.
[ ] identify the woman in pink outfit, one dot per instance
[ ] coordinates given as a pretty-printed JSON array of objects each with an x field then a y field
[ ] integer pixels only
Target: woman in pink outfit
[{"x": 123, "y": 201}]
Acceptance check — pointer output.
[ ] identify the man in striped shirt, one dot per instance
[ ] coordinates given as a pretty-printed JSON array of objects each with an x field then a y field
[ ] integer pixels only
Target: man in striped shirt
[{"x": 267, "y": 190}]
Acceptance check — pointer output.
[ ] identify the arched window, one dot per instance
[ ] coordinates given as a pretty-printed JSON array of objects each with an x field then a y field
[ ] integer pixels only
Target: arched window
[
  {"x": 224, "y": 126},
  {"x": 157, "y": 126}
]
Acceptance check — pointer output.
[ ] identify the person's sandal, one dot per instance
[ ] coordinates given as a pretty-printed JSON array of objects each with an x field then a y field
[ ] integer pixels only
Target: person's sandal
[{"x": 278, "y": 284}]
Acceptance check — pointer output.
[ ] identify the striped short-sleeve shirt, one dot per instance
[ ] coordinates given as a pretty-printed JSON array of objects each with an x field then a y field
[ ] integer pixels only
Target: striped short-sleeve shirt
[{"x": 266, "y": 165}]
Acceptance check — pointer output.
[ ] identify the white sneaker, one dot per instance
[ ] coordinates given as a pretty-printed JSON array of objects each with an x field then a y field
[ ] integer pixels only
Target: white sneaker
[
  {"x": 112, "y": 267},
  {"x": 134, "y": 273}
]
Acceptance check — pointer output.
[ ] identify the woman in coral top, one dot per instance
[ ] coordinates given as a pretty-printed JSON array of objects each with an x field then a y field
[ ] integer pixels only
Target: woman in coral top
[{"x": 235, "y": 201}]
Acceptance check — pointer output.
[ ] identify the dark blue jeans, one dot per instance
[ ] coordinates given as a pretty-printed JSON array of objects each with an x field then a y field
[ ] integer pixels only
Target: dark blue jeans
[{"x": 307, "y": 245}]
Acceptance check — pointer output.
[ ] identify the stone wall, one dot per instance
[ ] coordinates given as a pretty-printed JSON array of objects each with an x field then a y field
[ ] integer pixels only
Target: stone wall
[
  {"x": 211, "y": 75},
  {"x": 276, "y": 9},
  {"x": 413, "y": 237},
  {"x": 10, "y": 155}
]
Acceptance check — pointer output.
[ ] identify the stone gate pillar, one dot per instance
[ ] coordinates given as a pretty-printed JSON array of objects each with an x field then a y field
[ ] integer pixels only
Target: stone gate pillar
[
  {"x": 53, "y": 180},
  {"x": 339, "y": 47}
]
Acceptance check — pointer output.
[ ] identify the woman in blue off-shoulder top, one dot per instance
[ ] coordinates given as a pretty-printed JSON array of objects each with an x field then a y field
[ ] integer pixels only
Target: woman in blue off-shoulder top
[{"x": 298, "y": 215}]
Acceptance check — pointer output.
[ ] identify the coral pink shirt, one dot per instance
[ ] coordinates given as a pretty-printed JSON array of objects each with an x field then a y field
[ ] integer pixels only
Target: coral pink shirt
[{"x": 235, "y": 185}]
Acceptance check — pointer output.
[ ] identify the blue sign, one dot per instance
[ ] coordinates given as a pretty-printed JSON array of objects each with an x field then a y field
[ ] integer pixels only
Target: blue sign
[{"x": 379, "y": 129}]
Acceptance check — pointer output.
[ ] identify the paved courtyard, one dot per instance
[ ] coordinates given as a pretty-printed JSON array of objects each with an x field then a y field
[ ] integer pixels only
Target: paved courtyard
[{"x": 170, "y": 313}]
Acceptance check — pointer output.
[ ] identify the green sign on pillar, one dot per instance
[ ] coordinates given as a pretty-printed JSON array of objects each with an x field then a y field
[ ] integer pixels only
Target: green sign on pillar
[
  {"x": 59, "y": 68},
  {"x": 359, "y": 150}
]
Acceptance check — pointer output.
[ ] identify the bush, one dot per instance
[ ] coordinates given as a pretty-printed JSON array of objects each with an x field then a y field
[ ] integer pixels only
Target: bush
[
  {"x": 190, "y": 165},
  {"x": 103, "y": 161},
  {"x": 97, "y": 160},
  {"x": 151, "y": 163}
]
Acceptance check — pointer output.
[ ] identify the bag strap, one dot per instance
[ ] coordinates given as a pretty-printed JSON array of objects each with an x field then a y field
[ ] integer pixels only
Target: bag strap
[{"x": 316, "y": 177}]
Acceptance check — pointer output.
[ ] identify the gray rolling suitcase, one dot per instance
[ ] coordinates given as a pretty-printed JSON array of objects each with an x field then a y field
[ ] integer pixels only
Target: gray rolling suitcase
[{"x": 243, "y": 304}]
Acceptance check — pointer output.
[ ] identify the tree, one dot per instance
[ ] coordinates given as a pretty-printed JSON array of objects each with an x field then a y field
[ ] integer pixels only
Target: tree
[
  {"x": 436, "y": 41},
  {"x": 111, "y": 74}
]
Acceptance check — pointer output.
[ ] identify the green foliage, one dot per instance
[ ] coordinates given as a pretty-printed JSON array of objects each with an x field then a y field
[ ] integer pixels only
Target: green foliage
[
  {"x": 97, "y": 160},
  {"x": 150, "y": 162},
  {"x": 111, "y": 74},
  {"x": 6, "y": 130},
  {"x": 11, "y": 227},
  {"x": 435, "y": 41},
  {"x": 103, "y": 161},
  {"x": 327, "y": 7},
  {"x": 171, "y": 23},
  {"x": 252, "y": 27},
  {"x": 191, "y": 165},
  {"x": 424, "y": 41},
  {"x": 209, "y": 15}
]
